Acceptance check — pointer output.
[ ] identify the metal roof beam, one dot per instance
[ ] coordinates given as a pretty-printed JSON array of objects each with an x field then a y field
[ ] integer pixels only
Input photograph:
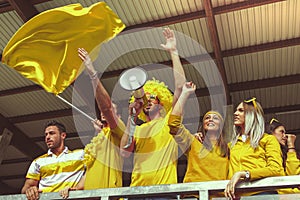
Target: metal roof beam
[
  {"x": 201, "y": 92},
  {"x": 6, "y": 6},
  {"x": 243, "y": 5},
  {"x": 262, "y": 47},
  {"x": 212, "y": 28},
  {"x": 41, "y": 116},
  {"x": 24, "y": 8},
  {"x": 265, "y": 83},
  {"x": 21, "y": 141},
  {"x": 20, "y": 90}
]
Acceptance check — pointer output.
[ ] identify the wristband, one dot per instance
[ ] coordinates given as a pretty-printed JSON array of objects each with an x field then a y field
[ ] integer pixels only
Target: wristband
[{"x": 93, "y": 76}]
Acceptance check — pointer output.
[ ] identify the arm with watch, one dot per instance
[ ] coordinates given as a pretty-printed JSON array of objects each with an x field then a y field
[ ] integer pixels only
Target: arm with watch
[
  {"x": 236, "y": 178},
  {"x": 252, "y": 164}
]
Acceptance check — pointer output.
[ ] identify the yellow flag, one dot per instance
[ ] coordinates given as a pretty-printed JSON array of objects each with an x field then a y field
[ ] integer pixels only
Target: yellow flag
[{"x": 44, "y": 49}]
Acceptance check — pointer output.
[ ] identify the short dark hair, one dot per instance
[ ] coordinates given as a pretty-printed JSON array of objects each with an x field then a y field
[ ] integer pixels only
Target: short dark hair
[{"x": 60, "y": 126}]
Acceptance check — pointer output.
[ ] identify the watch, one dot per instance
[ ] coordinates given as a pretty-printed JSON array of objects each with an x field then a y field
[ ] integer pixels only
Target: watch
[{"x": 247, "y": 176}]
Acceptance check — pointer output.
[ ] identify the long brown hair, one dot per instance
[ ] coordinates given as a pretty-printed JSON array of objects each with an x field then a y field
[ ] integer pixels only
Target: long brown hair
[
  {"x": 270, "y": 128},
  {"x": 221, "y": 136}
]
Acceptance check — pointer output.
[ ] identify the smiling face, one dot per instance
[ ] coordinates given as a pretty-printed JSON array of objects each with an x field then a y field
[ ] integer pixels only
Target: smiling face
[
  {"x": 279, "y": 133},
  {"x": 53, "y": 138},
  {"x": 239, "y": 116},
  {"x": 211, "y": 122}
]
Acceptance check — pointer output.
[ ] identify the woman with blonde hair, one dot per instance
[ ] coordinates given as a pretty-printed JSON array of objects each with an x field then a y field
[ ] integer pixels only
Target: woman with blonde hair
[{"x": 253, "y": 153}]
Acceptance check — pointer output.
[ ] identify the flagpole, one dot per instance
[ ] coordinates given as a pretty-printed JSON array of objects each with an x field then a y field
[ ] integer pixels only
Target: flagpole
[{"x": 76, "y": 108}]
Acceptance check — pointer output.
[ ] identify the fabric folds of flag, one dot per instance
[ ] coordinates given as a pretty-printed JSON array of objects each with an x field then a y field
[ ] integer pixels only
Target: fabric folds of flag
[{"x": 44, "y": 49}]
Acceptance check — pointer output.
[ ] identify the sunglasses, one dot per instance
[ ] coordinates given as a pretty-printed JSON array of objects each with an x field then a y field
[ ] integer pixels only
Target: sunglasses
[
  {"x": 152, "y": 97},
  {"x": 273, "y": 120},
  {"x": 251, "y": 101}
]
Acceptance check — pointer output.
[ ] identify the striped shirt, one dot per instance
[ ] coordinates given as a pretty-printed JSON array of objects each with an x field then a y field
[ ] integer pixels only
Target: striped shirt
[{"x": 56, "y": 172}]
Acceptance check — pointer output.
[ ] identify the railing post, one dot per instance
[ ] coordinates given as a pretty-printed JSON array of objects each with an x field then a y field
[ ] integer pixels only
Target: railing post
[{"x": 203, "y": 195}]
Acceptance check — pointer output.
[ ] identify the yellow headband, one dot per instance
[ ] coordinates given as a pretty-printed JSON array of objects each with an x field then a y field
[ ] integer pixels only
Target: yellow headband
[{"x": 213, "y": 112}]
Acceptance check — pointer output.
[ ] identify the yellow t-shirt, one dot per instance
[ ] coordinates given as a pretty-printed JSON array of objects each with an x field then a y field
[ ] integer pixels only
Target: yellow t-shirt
[
  {"x": 104, "y": 163},
  {"x": 202, "y": 164},
  {"x": 155, "y": 155}
]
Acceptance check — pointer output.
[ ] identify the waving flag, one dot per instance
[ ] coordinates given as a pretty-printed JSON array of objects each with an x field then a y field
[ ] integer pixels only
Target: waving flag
[{"x": 44, "y": 49}]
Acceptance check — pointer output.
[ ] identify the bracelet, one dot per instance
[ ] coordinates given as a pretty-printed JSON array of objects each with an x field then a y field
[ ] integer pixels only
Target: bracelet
[
  {"x": 94, "y": 76},
  {"x": 291, "y": 148}
]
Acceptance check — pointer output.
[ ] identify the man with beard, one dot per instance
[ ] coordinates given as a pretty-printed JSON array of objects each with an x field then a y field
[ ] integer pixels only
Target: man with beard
[
  {"x": 58, "y": 168},
  {"x": 155, "y": 150}
]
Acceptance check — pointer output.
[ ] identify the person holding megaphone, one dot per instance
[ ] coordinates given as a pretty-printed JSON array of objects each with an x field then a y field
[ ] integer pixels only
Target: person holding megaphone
[{"x": 155, "y": 152}]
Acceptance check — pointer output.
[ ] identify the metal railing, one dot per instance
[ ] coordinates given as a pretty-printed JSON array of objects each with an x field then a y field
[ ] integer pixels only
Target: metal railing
[{"x": 202, "y": 189}]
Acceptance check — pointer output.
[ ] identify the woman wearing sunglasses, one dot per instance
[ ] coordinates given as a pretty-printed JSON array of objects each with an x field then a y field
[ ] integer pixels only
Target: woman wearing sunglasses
[
  {"x": 291, "y": 163},
  {"x": 253, "y": 153}
]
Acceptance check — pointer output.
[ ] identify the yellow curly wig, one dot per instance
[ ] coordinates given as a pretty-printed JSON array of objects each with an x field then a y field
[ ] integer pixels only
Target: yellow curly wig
[{"x": 163, "y": 93}]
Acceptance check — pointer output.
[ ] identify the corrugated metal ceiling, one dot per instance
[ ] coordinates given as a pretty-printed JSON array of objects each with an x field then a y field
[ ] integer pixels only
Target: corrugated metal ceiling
[{"x": 259, "y": 43}]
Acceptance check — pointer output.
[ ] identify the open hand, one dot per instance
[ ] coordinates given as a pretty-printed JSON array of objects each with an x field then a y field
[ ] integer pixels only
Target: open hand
[
  {"x": 170, "y": 40},
  {"x": 84, "y": 56}
]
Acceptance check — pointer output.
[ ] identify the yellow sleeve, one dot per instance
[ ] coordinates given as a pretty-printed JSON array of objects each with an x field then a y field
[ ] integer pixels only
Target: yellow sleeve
[
  {"x": 273, "y": 159},
  {"x": 182, "y": 136},
  {"x": 119, "y": 129},
  {"x": 175, "y": 124},
  {"x": 292, "y": 164}
]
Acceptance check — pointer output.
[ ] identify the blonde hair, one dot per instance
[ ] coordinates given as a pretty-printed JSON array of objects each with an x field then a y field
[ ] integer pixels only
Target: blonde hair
[
  {"x": 254, "y": 124},
  {"x": 163, "y": 94}
]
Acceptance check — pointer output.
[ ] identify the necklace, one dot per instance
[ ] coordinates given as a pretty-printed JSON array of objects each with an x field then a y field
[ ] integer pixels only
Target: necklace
[{"x": 244, "y": 138}]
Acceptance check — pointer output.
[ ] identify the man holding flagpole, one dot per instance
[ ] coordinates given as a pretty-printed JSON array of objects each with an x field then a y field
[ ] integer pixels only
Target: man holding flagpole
[
  {"x": 60, "y": 31},
  {"x": 102, "y": 154}
]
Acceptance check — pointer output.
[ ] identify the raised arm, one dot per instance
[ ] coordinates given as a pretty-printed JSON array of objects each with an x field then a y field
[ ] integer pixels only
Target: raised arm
[
  {"x": 187, "y": 90},
  {"x": 182, "y": 136},
  {"x": 292, "y": 162},
  {"x": 175, "y": 120},
  {"x": 179, "y": 75},
  {"x": 102, "y": 97}
]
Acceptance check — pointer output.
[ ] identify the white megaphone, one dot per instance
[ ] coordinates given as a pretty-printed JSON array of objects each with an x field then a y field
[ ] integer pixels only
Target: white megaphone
[{"x": 133, "y": 80}]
